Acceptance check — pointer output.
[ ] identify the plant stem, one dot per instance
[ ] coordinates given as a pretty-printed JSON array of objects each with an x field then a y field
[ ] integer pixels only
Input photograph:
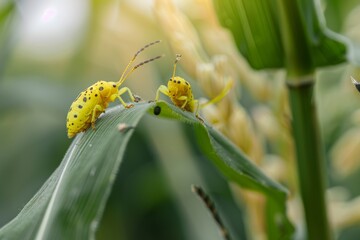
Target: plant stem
[
  {"x": 310, "y": 162},
  {"x": 300, "y": 81}
]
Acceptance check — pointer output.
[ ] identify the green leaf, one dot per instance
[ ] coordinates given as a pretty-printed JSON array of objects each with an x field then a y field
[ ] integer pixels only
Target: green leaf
[
  {"x": 327, "y": 47},
  {"x": 257, "y": 32},
  {"x": 236, "y": 167},
  {"x": 5, "y": 10},
  {"x": 71, "y": 202},
  {"x": 254, "y": 25},
  {"x": 7, "y": 32},
  {"x": 231, "y": 214}
]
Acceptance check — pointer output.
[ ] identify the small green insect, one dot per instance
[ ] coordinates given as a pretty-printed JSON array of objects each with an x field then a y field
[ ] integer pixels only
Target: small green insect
[
  {"x": 90, "y": 103},
  {"x": 180, "y": 93}
]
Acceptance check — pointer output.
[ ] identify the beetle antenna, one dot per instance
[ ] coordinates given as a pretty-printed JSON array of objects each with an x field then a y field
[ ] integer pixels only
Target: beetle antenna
[
  {"x": 178, "y": 57},
  {"x": 124, "y": 75},
  {"x": 135, "y": 67}
]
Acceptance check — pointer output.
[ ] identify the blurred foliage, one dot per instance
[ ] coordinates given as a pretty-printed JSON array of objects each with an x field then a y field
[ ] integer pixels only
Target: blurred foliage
[
  {"x": 259, "y": 38},
  {"x": 41, "y": 72}
]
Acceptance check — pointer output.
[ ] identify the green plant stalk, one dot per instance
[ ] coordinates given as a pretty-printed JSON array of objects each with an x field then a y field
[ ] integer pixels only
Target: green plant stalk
[
  {"x": 300, "y": 81},
  {"x": 310, "y": 162}
]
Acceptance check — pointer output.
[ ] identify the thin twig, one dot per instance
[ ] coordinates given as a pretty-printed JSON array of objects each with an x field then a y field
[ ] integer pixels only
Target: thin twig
[{"x": 210, "y": 205}]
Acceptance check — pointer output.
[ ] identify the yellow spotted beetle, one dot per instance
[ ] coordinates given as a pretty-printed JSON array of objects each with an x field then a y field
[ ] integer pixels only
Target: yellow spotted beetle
[
  {"x": 180, "y": 93},
  {"x": 90, "y": 103}
]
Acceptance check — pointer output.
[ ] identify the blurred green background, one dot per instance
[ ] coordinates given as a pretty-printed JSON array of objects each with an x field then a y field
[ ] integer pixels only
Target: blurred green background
[{"x": 52, "y": 50}]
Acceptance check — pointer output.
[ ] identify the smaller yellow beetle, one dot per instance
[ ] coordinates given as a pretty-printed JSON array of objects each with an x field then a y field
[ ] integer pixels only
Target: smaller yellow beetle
[
  {"x": 90, "y": 103},
  {"x": 180, "y": 93}
]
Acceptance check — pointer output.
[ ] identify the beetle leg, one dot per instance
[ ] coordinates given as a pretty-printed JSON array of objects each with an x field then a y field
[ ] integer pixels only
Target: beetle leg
[
  {"x": 197, "y": 107},
  {"x": 185, "y": 99},
  {"x": 163, "y": 89},
  {"x": 94, "y": 116},
  {"x": 121, "y": 92}
]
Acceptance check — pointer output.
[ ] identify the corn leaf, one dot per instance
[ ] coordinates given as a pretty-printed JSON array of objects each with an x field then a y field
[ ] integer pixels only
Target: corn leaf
[
  {"x": 236, "y": 167},
  {"x": 71, "y": 202},
  {"x": 257, "y": 33}
]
